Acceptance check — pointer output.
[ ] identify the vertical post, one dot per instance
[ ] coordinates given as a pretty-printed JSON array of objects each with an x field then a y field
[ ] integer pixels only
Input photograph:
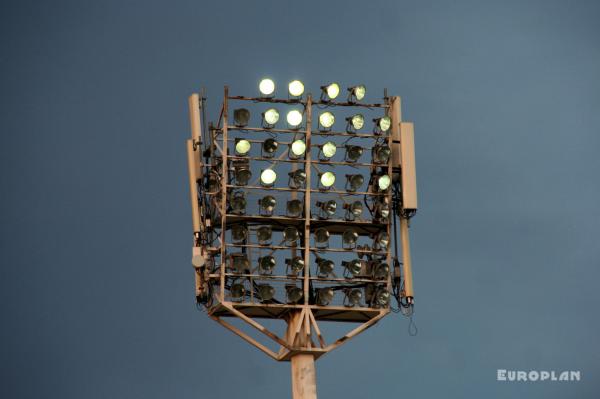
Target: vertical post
[
  {"x": 224, "y": 181},
  {"x": 308, "y": 170},
  {"x": 304, "y": 381},
  {"x": 406, "y": 262}
]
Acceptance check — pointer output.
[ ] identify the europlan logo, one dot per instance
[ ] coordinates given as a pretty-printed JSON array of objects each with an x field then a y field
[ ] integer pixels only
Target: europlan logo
[{"x": 535, "y": 376}]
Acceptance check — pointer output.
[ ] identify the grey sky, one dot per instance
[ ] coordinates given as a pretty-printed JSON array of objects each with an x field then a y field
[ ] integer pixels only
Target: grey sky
[{"x": 97, "y": 288}]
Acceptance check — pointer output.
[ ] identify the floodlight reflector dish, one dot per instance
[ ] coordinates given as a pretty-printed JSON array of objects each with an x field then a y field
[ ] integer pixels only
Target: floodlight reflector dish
[
  {"x": 382, "y": 297},
  {"x": 269, "y": 147},
  {"x": 358, "y": 92},
  {"x": 291, "y": 235},
  {"x": 327, "y": 179},
  {"x": 266, "y": 292},
  {"x": 296, "y": 264},
  {"x": 349, "y": 237},
  {"x": 328, "y": 149},
  {"x": 239, "y": 233},
  {"x": 381, "y": 153},
  {"x": 328, "y": 208},
  {"x": 356, "y": 122},
  {"x": 325, "y": 267},
  {"x": 384, "y": 123},
  {"x": 326, "y": 120},
  {"x": 237, "y": 290},
  {"x": 353, "y": 152},
  {"x": 382, "y": 240},
  {"x": 271, "y": 116},
  {"x": 242, "y": 146},
  {"x": 354, "y": 267},
  {"x": 241, "y": 116},
  {"x": 266, "y": 87},
  {"x": 296, "y": 88},
  {"x": 264, "y": 234},
  {"x": 355, "y": 208},
  {"x": 268, "y": 203},
  {"x": 381, "y": 270},
  {"x": 266, "y": 264},
  {"x": 383, "y": 182},
  {"x": 321, "y": 235},
  {"x": 355, "y": 181},
  {"x": 325, "y": 296},
  {"x": 353, "y": 297},
  {"x": 298, "y": 178},
  {"x": 294, "y": 294},
  {"x": 298, "y": 148},
  {"x": 332, "y": 90},
  {"x": 268, "y": 177},
  {"x": 294, "y": 208},
  {"x": 238, "y": 204},
  {"x": 294, "y": 118}
]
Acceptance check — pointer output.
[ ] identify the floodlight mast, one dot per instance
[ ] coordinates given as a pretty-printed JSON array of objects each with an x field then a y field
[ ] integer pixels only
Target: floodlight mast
[{"x": 227, "y": 291}]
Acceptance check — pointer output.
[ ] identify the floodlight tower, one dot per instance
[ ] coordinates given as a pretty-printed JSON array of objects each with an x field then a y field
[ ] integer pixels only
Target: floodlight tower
[{"x": 275, "y": 234}]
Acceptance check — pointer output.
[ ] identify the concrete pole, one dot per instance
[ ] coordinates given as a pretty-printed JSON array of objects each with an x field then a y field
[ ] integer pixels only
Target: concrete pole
[{"x": 304, "y": 381}]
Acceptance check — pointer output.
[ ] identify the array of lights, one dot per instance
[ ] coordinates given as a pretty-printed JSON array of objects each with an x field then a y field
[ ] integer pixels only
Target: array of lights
[{"x": 254, "y": 267}]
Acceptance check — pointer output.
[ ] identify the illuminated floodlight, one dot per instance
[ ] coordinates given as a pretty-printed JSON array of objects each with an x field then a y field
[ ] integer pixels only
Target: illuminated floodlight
[
  {"x": 297, "y": 149},
  {"x": 291, "y": 235},
  {"x": 297, "y": 179},
  {"x": 325, "y": 296},
  {"x": 242, "y": 146},
  {"x": 296, "y": 88},
  {"x": 353, "y": 210},
  {"x": 381, "y": 153},
  {"x": 330, "y": 91},
  {"x": 268, "y": 177},
  {"x": 267, "y": 204},
  {"x": 270, "y": 117},
  {"x": 328, "y": 150},
  {"x": 353, "y": 268},
  {"x": 327, "y": 179},
  {"x": 381, "y": 241},
  {"x": 266, "y": 292},
  {"x": 354, "y": 182},
  {"x": 294, "y": 118},
  {"x": 355, "y": 123},
  {"x": 241, "y": 116},
  {"x": 325, "y": 267},
  {"x": 294, "y": 294},
  {"x": 294, "y": 208},
  {"x": 381, "y": 270},
  {"x": 264, "y": 234},
  {"x": 357, "y": 93},
  {"x": 240, "y": 263},
  {"x": 383, "y": 182},
  {"x": 326, "y": 209},
  {"x": 238, "y": 203},
  {"x": 382, "y": 124},
  {"x": 269, "y": 147},
  {"x": 349, "y": 238},
  {"x": 326, "y": 120},
  {"x": 239, "y": 233},
  {"x": 237, "y": 291},
  {"x": 353, "y": 297},
  {"x": 266, "y": 87},
  {"x": 353, "y": 153},
  {"x": 321, "y": 237},
  {"x": 295, "y": 265},
  {"x": 266, "y": 264}
]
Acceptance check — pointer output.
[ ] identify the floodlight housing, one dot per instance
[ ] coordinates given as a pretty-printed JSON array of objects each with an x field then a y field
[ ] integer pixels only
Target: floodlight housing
[
  {"x": 353, "y": 210},
  {"x": 383, "y": 182},
  {"x": 294, "y": 293},
  {"x": 240, "y": 263},
  {"x": 321, "y": 237},
  {"x": 382, "y": 210},
  {"x": 381, "y": 241},
  {"x": 353, "y": 296},
  {"x": 294, "y": 208},
  {"x": 381, "y": 154},
  {"x": 297, "y": 149},
  {"x": 327, "y": 150},
  {"x": 241, "y": 116},
  {"x": 239, "y": 233},
  {"x": 266, "y": 292},
  {"x": 324, "y": 296},
  {"x": 269, "y": 118},
  {"x": 326, "y": 180},
  {"x": 352, "y": 268},
  {"x": 326, "y": 209},
  {"x": 353, "y": 153},
  {"x": 242, "y": 146},
  {"x": 354, "y": 123},
  {"x": 238, "y": 203},
  {"x": 269, "y": 147},
  {"x": 357, "y": 93},
  {"x": 380, "y": 270},
  {"x": 325, "y": 267},
  {"x": 297, "y": 179},
  {"x": 354, "y": 182},
  {"x": 237, "y": 291},
  {"x": 291, "y": 235},
  {"x": 330, "y": 92},
  {"x": 294, "y": 119},
  {"x": 326, "y": 121},
  {"x": 264, "y": 235},
  {"x": 266, "y": 88},
  {"x": 267, "y": 204},
  {"x": 382, "y": 124},
  {"x": 295, "y": 265},
  {"x": 296, "y": 88},
  {"x": 266, "y": 264},
  {"x": 268, "y": 177},
  {"x": 349, "y": 238},
  {"x": 241, "y": 172}
]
